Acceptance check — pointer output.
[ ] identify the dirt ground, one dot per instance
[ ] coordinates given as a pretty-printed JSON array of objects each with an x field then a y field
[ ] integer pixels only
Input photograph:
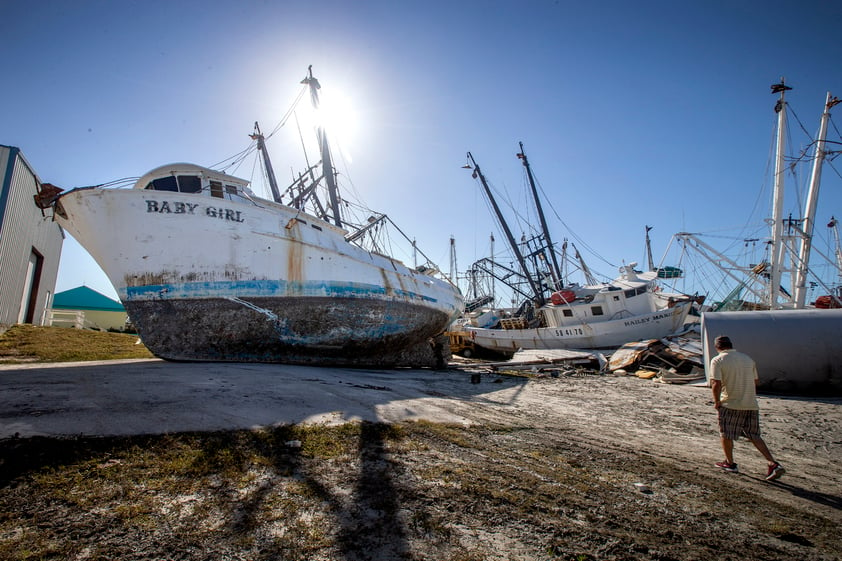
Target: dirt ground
[{"x": 575, "y": 467}]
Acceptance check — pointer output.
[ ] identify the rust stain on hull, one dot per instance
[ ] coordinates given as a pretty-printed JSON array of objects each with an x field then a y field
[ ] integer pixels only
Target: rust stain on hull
[{"x": 295, "y": 265}]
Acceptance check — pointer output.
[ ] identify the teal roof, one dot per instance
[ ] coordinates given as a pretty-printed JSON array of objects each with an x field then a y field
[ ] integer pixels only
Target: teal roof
[{"x": 84, "y": 298}]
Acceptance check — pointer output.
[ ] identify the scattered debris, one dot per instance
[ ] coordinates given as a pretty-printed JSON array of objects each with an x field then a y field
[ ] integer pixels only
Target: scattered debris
[
  {"x": 540, "y": 361},
  {"x": 673, "y": 360},
  {"x": 670, "y": 376},
  {"x": 629, "y": 356}
]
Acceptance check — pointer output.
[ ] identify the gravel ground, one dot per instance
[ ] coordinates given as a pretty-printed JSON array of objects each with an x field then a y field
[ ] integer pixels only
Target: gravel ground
[{"x": 577, "y": 467}]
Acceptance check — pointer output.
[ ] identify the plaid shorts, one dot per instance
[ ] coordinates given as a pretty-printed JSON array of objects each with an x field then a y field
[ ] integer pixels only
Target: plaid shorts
[{"x": 734, "y": 423}]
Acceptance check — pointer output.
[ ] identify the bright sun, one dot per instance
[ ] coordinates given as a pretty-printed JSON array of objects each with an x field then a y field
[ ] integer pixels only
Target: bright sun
[{"x": 340, "y": 119}]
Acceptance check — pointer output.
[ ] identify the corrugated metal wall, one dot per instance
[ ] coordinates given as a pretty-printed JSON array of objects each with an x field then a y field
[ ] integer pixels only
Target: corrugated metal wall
[{"x": 23, "y": 230}]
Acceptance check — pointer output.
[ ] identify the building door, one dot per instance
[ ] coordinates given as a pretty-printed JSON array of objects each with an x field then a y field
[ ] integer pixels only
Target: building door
[{"x": 30, "y": 287}]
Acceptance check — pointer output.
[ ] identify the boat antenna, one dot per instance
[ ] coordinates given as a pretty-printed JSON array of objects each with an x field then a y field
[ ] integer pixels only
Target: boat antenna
[
  {"x": 556, "y": 271},
  {"x": 267, "y": 163},
  {"x": 649, "y": 249},
  {"x": 539, "y": 295},
  {"x": 324, "y": 147}
]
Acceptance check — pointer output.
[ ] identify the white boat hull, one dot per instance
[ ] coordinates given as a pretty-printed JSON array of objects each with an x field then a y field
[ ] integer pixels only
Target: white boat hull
[
  {"x": 585, "y": 334},
  {"x": 215, "y": 279}
]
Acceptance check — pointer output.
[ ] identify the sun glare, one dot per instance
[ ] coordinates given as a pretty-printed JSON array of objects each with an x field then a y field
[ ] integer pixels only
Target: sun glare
[{"x": 340, "y": 119}]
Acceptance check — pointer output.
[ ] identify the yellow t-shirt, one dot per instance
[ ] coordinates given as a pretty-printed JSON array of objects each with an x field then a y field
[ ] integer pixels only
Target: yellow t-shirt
[{"x": 738, "y": 373}]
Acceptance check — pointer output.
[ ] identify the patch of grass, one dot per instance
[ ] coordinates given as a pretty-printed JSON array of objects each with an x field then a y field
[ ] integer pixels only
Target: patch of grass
[
  {"x": 463, "y": 554},
  {"x": 428, "y": 524},
  {"x": 328, "y": 442},
  {"x": 454, "y": 434},
  {"x": 31, "y": 343}
]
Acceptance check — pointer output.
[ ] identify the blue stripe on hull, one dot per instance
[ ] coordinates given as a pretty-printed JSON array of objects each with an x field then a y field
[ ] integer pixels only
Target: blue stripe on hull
[{"x": 265, "y": 289}]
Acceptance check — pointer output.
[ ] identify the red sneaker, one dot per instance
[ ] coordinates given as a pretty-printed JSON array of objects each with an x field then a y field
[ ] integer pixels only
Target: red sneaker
[{"x": 775, "y": 471}]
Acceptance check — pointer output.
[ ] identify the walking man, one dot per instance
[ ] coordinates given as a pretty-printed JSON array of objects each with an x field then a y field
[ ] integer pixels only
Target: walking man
[{"x": 733, "y": 378}]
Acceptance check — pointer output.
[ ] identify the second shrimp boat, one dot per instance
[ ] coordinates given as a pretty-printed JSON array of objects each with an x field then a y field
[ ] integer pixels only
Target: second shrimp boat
[{"x": 558, "y": 315}]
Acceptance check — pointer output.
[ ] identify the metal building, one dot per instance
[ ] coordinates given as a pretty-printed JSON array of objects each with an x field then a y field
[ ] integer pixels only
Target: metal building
[{"x": 30, "y": 244}]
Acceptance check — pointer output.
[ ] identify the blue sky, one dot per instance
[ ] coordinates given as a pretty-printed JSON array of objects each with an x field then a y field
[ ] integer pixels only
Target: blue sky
[{"x": 632, "y": 113}]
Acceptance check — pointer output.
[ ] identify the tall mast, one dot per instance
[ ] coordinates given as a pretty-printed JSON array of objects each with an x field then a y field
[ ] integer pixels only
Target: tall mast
[
  {"x": 776, "y": 254},
  {"x": 324, "y": 147},
  {"x": 539, "y": 295},
  {"x": 810, "y": 207},
  {"x": 555, "y": 270},
  {"x": 267, "y": 163},
  {"x": 649, "y": 249}
]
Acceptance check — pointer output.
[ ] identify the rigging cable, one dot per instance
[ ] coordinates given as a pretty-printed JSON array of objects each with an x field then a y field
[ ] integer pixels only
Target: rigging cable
[
  {"x": 761, "y": 193},
  {"x": 117, "y": 183},
  {"x": 828, "y": 159},
  {"x": 799, "y": 187},
  {"x": 573, "y": 234},
  {"x": 235, "y": 159},
  {"x": 289, "y": 112}
]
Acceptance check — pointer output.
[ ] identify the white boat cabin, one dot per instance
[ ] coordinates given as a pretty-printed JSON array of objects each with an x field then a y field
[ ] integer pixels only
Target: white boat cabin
[
  {"x": 190, "y": 178},
  {"x": 628, "y": 296}
]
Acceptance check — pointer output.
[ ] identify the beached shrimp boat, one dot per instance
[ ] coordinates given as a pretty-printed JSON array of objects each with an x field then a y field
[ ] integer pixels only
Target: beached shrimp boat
[{"x": 209, "y": 271}]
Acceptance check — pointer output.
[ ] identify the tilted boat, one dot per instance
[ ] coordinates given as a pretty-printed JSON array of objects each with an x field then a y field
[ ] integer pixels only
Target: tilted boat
[
  {"x": 209, "y": 271},
  {"x": 558, "y": 315}
]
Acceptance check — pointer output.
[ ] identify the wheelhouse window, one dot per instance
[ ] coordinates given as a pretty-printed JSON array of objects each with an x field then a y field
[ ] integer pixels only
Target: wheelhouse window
[
  {"x": 567, "y": 313},
  {"x": 216, "y": 189},
  {"x": 189, "y": 184},
  {"x": 596, "y": 310},
  {"x": 236, "y": 193},
  {"x": 194, "y": 184},
  {"x": 635, "y": 291},
  {"x": 168, "y": 183},
  {"x": 181, "y": 183}
]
